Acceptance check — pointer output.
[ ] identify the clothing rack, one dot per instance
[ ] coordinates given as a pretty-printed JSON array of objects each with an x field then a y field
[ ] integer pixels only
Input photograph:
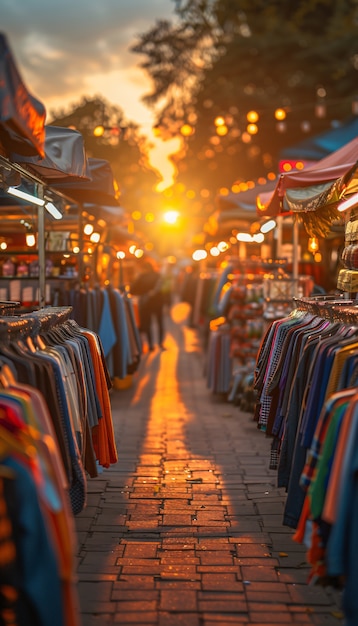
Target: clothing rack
[
  {"x": 306, "y": 380},
  {"x": 329, "y": 307},
  {"x": 52, "y": 316},
  {"x": 8, "y": 306},
  {"x": 26, "y": 324},
  {"x": 13, "y": 326}
]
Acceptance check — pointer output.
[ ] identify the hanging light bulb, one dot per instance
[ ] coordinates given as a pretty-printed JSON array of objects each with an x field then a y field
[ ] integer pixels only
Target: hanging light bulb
[
  {"x": 98, "y": 131},
  {"x": 252, "y": 129},
  {"x": 252, "y": 117},
  {"x": 313, "y": 245},
  {"x": 30, "y": 239},
  {"x": 222, "y": 130},
  {"x": 88, "y": 229},
  {"x": 280, "y": 114},
  {"x": 186, "y": 130},
  {"x": 95, "y": 237}
]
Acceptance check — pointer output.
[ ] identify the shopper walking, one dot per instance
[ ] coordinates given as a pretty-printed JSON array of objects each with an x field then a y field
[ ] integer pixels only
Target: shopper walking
[{"x": 147, "y": 286}]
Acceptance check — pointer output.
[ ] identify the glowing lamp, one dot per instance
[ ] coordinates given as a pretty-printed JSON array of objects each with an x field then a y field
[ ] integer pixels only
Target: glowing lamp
[
  {"x": 88, "y": 229},
  {"x": 30, "y": 239},
  {"x": 187, "y": 130},
  {"x": 252, "y": 129},
  {"x": 252, "y": 117},
  {"x": 280, "y": 114},
  {"x": 313, "y": 245},
  {"x": 95, "y": 237},
  {"x": 267, "y": 226},
  {"x": 348, "y": 203},
  {"x": 98, "y": 131}
]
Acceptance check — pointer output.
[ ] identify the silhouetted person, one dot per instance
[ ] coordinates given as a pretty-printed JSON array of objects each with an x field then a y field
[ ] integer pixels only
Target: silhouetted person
[{"x": 147, "y": 286}]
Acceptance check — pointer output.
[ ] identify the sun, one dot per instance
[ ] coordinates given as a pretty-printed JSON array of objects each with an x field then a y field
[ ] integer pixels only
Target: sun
[{"x": 171, "y": 216}]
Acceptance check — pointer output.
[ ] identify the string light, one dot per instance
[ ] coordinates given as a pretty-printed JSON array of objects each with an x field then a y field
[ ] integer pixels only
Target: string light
[
  {"x": 280, "y": 114},
  {"x": 252, "y": 117},
  {"x": 187, "y": 130},
  {"x": 252, "y": 129},
  {"x": 222, "y": 130}
]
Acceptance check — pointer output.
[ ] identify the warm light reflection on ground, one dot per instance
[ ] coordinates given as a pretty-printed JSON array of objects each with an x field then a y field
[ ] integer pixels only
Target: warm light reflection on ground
[
  {"x": 140, "y": 385},
  {"x": 187, "y": 527}
]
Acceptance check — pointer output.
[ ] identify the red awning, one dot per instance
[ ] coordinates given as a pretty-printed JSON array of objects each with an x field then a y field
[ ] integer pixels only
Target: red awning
[{"x": 328, "y": 170}]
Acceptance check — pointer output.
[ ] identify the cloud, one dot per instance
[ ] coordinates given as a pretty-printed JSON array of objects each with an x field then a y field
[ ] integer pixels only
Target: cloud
[
  {"x": 58, "y": 46},
  {"x": 74, "y": 48}
]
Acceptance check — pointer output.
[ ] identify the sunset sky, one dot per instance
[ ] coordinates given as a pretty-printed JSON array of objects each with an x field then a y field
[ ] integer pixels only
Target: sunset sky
[{"x": 74, "y": 48}]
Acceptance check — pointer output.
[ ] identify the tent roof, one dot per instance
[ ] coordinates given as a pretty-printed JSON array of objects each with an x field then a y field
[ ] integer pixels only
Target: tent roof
[
  {"x": 244, "y": 200},
  {"x": 341, "y": 163},
  {"x": 65, "y": 158},
  {"x": 100, "y": 190},
  {"x": 235, "y": 210}
]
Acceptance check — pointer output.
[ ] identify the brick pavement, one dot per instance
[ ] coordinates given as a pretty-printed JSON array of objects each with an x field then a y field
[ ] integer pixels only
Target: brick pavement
[{"x": 185, "y": 530}]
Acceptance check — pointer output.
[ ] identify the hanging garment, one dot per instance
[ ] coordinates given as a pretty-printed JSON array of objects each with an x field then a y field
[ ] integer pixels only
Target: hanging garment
[{"x": 40, "y": 512}]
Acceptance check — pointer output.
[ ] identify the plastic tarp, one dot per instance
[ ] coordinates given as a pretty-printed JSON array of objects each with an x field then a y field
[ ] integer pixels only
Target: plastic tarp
[
  {"x": 22, "y": 117},
  {"x": 65, "y": 157},
  {"x": 101, "y": 189}
]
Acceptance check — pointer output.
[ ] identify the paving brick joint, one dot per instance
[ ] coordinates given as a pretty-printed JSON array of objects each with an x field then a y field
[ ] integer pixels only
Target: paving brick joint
[{"x": 186, "y": 529}]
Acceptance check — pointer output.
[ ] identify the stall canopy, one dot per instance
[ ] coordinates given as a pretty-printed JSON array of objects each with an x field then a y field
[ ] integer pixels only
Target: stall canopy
[
  {"x": 65, "y": 158},
  {"x": 22, "y": 117},
  {"x": 320, "y": 184},
  {"x": 236, "y": 210},
  {"x": 101, "y": 189},
  {"x": 99, "y": 195},
  {"x": 88, "y": 184}
]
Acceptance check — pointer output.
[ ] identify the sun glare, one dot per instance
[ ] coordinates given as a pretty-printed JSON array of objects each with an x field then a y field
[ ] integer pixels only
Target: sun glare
[{"x": 171, "y": 217}]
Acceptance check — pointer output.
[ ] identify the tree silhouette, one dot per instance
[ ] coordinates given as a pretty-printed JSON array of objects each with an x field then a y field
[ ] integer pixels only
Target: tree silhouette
[
  {"x": 224, "y": 58},
  {"x": 119, "y": 142}
]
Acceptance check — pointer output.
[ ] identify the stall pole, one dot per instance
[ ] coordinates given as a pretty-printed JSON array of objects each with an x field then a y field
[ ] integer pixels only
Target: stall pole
[
  {"x": 41, "y": 250},
  {"x": 295, "y": 256}
]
